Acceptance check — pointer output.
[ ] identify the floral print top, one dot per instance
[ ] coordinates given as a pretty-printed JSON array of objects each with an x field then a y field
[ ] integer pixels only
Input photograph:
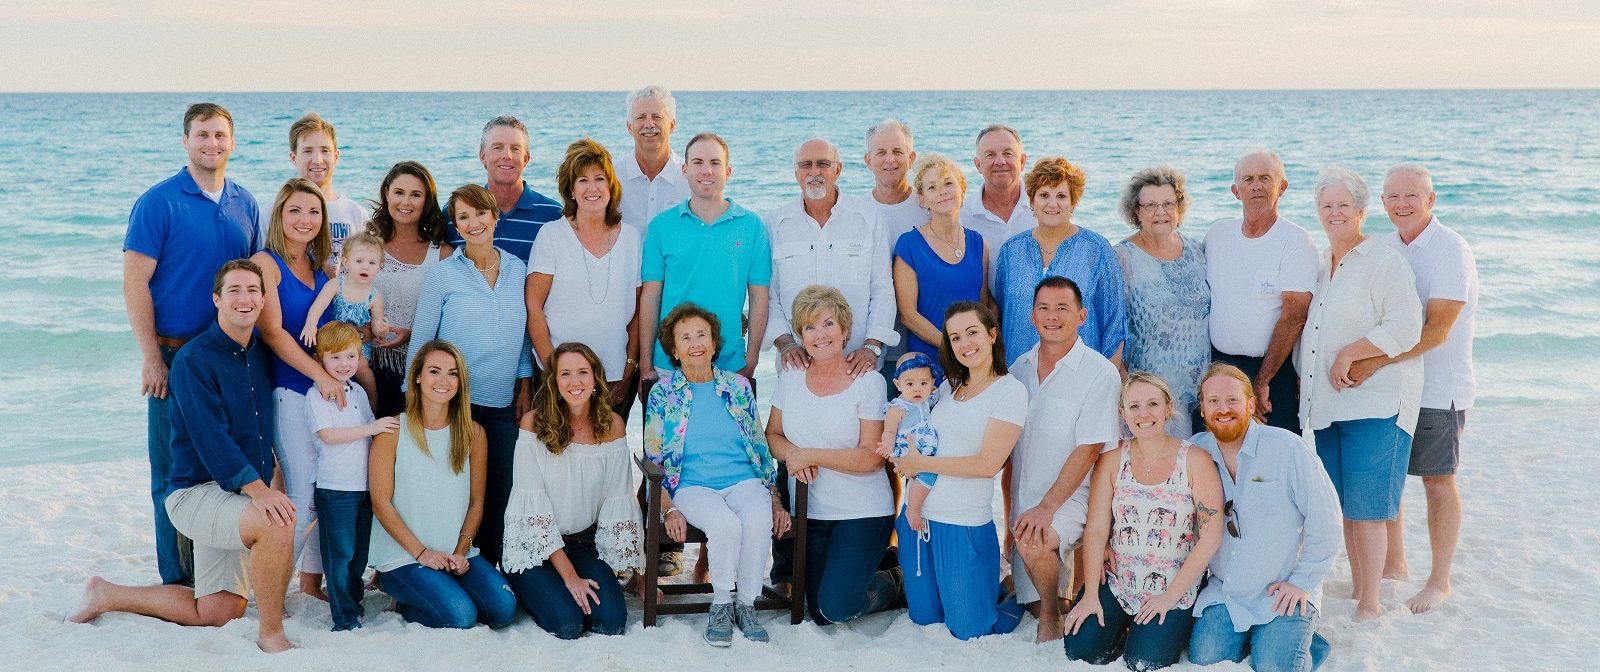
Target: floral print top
[{"x": 666, "y": 420}]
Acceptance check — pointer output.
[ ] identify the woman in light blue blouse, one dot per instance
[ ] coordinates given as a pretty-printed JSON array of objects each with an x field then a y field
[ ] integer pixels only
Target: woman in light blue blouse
[
  {"x": 1058, "y": 246},
  {"x": 1169, "y": 300},
  {"x": 474, "y": 300}
]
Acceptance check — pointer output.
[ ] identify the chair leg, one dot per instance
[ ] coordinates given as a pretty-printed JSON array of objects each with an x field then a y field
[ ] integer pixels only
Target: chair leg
[
  {"x": 649, "y": 594},
  {"x": 797, "y": 585}
]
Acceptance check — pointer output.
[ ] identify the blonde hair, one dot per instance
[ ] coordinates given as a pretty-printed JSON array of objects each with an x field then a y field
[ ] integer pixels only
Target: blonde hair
[
  {"x": 337, "y": 336},
  {"x": 1147, "y": 378},
  {"x": 459, "y": 411},
  {"x": 812, "y": 301},
  {"x": 321, "y": 247},
  {"x": 365, "y": 239},
  {"x": 311, "y": 123},
  {"x": 937, "y": 162}
]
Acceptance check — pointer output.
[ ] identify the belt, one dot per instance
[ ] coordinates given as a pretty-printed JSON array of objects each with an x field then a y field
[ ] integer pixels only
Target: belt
[{"x": 171, "y": 342}]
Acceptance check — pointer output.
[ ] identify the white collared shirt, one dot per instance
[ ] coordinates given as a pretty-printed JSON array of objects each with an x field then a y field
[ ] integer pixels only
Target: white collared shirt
[
  {"x": 996, "y": 231},
  {"x": 897, "y": 218},
  {"x": 644, "y": 198},
  {"x": 1248, "y": 277},
  {"x": 850, "y": 253},
  {"x": 1373, "y": 296},
  {"x": 1445, "y": 269},
  {"x": 1075, "y": 405}
]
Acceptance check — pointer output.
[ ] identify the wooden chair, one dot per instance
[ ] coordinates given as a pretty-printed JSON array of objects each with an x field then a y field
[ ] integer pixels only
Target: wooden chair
[{"x": 656, "y": 532}]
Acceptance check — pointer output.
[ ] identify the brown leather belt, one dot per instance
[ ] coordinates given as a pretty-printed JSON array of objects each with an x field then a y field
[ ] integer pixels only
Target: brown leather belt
[{"x": 171, "y": 342}]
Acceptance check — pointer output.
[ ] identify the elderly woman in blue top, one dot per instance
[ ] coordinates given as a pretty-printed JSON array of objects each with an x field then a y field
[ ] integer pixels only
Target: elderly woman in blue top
[
  {"x": 474, "y": 299},
  {"x": 1058, "y": 246},
  {"x": 702, "y": 428}
]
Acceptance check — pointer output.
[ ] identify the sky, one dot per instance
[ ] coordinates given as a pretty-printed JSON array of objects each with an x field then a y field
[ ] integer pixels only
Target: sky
[{"x": 603, "y": 45}]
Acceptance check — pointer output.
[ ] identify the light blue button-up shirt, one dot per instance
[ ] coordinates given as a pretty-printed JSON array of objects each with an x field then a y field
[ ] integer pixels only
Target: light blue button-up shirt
[
  {"x": 488, "y": 325},
  {"x": 1085, "y": 258},
  {"x": 1288, "y": 519}
]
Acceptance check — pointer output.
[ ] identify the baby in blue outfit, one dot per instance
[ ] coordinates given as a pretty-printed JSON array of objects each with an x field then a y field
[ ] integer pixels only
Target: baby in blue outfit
[{"x": 906, "y": 426}]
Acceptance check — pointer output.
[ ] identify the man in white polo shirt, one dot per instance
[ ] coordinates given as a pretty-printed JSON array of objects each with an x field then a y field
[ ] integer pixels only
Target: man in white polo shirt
[
  {"x": 652, "y": 180},
  {"x": 820, "y": 240},
  {"x": 1072, "y": 418},
  {"x": 1447, "y": 283},
  {"x": 1262, "y": 269},
  {"x": 1001, "y": 209}
]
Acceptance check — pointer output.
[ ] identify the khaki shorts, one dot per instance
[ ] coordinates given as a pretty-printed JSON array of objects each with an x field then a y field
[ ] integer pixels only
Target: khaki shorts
[
  {"x": 1068, "y": 525},
  {"x": 209, "y": 515}
]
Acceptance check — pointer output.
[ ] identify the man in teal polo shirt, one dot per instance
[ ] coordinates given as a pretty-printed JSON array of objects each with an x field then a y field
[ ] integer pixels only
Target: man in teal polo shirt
[{"x": 709, "y": 251}]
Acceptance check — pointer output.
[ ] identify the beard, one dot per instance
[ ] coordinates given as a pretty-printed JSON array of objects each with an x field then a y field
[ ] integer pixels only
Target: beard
[
  {"x": 815, "y": 192},
  {"x": 1228, "y": 434}
]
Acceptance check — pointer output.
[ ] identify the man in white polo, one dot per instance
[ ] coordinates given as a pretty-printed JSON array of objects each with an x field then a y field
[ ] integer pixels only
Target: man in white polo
[
  {"x": 890, "y": 155},
  {"x": 1001, "y": 209},
  {"x": 1072, "y": 418},
  {"x": 652, "y": 179}
]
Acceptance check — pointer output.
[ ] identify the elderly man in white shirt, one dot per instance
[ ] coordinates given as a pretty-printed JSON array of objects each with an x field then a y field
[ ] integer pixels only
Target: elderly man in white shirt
[
  {"x": 1262, "y": 269},
  {"x": 652, "y": 179},
  {"x": 1447, "y": 285},
  {"x": 890, "y": 154},
  {"x": 819, "y": 240},
  {"x": 1002, "y": 209},
  {"x": 1072, "y": 418}
]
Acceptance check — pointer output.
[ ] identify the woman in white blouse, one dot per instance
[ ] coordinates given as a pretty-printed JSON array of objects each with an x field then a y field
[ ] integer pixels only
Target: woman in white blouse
[
  {"x": 953, "y": 576},
  {"x": 1366, "y": 306},
  {"x": 572, "y": 522},
  {"x": 583, "y": 278},
  {"x": 850, "y": 505}
]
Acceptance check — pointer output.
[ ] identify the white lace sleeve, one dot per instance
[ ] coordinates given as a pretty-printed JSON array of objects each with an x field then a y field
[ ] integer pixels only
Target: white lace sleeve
[
  {"x": 531, "y": 534},
  {"x": 617, "y": 535}
]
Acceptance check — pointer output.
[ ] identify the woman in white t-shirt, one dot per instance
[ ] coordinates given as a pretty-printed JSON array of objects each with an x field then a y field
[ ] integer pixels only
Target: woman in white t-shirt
[
  {"x": 953, "y": 570},
  {"x": 850, "y": 505},
  {"x": 583, "y": 276}
]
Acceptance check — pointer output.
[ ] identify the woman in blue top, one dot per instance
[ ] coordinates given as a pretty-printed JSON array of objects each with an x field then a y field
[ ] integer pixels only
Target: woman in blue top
[
  {"x": 938, "y": 263},
  {"x": 702, "y": 428},
  {"x": 298, "y": 248},
  {"x": 474, "y": 300}
]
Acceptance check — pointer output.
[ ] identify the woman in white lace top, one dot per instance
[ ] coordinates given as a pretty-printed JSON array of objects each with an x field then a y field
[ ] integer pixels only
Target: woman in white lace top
[{"x": 572, "y": 521}]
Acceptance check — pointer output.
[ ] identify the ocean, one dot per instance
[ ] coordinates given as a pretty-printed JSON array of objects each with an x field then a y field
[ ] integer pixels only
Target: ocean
[{"x": 1515, "y": 172}]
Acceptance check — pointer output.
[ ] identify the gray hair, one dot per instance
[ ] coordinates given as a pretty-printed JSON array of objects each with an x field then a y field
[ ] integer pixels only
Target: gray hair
[
  {"x": 1277, "y": 162},
  {"x": 833, "y": 150},
  {"x": 887, "y": 124},
  {"x": 1415, "y": 169},
  {"x": 1338, "y": 176},
  {"x": 654, "y": 92},
  {"x": 507, "y": 121},
  {"x": 998, "y": 127},
  {"x": 1159, "y": 176}
]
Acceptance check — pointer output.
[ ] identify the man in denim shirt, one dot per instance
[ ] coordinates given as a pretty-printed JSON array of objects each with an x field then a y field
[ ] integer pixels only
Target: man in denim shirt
[
  {"x": 1283, "y": 530},
  {"x": 218, "y": 494}
]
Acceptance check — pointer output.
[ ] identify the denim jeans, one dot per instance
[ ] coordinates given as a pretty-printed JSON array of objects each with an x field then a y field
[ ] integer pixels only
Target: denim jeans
[
  {"x": 1286, "y": 643},
  {"x": 1151, "y": 646},
  {"x": 500, "y": 430},
  {"x": 544, "y": 594},
  {"x": 842, "y": 578},
  {"x": 959, "y": 580},
  {"x": 344, "y": 526},
  {"x": 174, "y": 553},
  {"x": 440, "y": 599}
]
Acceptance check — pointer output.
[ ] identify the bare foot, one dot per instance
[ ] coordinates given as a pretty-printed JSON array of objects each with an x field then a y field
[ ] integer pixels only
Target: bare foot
[
  {"x": 93, "y": 602},
  {"x": 1049, "y": 631},
  {"x": 1397, "y": 573},
  {"x": 1366, "y": 613},
  {"x": 311, "y": 584},
  {"x": 1427, "y": 599},
  {"x": 274, "y": 643},
  {"x": 636, "y": 587}
]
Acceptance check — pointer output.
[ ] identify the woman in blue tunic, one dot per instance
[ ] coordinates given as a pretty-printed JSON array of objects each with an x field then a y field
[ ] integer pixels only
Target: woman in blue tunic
[{"x": 939, "y": 263}]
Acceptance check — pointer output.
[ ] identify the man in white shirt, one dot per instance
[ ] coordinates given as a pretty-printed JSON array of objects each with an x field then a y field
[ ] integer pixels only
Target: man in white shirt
[
  {"x": 314, "y": 151},
  {"x": 1447, "y": 284},
  {"x": 1262, "y": 269},
  {"x": 652, "y": 180},
  {"x": 821, "y": 240},
  {"x": 1001, "y": 209},
  {"x": 890, "y": 155},
  {"x": 1072, "y": 418}
]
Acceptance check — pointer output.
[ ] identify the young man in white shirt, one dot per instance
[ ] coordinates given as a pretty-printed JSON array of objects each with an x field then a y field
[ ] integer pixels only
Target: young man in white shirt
[
  {"x": 314, "y": 151},
  {"x": 1262, "y": 269},
  {"x": 652, "y": 179},
  {"x": 1001, "y": 209}
]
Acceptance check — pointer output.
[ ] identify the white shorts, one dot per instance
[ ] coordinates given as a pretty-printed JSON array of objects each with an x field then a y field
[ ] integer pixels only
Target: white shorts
[{"x": 1068, "y": 525}]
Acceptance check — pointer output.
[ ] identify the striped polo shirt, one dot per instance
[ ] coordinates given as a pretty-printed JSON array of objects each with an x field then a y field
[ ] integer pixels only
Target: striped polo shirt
[{"x": 519, "y": 227}]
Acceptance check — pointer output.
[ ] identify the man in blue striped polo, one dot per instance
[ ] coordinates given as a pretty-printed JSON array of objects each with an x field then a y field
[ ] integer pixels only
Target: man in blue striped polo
[{"x": 503, "y": 150}]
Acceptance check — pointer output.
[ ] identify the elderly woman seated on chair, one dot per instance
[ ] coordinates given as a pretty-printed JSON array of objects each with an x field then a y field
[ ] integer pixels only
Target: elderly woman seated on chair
[{"x": 702, "y": 429}]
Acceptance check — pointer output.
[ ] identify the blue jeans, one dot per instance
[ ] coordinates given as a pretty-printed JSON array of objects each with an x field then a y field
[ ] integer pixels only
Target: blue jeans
[
  {"x": 1366, "y": 460},
  {"x": 544, "y": 594},
  {"x": 1151, "y": 646},
  {"x": 1286, "y": 643},
  {"x": 959, "y": 579},
  {"x": 439, "y": 599},
  {"x": 842, "y": 578},
  {"x": 344, "y": 526},
  {"x": 174, "y": 558},
  {"x": 500, "y": 430}
]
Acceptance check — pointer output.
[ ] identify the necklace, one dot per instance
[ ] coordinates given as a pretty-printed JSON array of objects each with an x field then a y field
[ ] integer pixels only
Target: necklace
[
  {"x": 588, "y": 270},
  {"x": 490, "y": 267},
  {"x": 958, "y": 251}
]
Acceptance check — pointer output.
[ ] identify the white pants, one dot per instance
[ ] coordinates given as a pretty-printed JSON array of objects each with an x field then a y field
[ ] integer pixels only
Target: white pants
[
  {"x": 738, "y": 524},
  {"x": 1068, "y": 525},
  {"x": 297, "y": 454}
]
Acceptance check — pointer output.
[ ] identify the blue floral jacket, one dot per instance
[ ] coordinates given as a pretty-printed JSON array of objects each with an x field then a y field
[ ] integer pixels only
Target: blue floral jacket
[{"x": 666, "y": 419}]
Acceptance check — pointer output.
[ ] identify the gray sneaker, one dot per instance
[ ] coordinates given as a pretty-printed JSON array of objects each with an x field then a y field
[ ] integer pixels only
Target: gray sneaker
[
  {"x": 719, "y": 625},
  {"x": 745, "y": 616}
]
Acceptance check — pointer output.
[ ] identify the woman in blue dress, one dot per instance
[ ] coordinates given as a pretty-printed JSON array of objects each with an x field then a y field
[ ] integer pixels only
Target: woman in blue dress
[{"x": 938, "y": 263}]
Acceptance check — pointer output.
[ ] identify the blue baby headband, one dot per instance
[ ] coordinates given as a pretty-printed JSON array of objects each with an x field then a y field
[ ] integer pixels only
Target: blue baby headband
[{"x": 918, "y": 360}]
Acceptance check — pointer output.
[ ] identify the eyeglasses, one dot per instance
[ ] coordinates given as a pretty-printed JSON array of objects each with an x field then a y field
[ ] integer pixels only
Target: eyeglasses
[
  {"x": 1232, "y": 516},
  {"x": 823, "y": 164},
  {"x": 1169, "y": 206}
]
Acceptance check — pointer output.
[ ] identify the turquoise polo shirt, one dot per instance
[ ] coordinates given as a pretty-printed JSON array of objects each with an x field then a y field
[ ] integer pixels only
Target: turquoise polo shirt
[{"x": 711, "y": 265}]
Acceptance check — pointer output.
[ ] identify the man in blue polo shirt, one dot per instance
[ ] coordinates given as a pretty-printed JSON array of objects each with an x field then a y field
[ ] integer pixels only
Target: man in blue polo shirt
[
  {"x": 179, "y": 233},
  {"x": 709, "y": 251},
  {"x": 218, "y": 495},
  {"x": 503, "y": 150}
]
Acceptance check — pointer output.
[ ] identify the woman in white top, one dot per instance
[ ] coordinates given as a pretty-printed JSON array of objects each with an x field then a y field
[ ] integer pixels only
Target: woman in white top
[
  {"x": 427, "y": 494},
  {"x": 1366, "y": 306},
  {"x": 954, "y": 576},
  {"x": 412, "y": 227},
  {"x": 572, "y": 521},
  {"x": 583, "y": 278},
  {"x": 850, "y": 504}
]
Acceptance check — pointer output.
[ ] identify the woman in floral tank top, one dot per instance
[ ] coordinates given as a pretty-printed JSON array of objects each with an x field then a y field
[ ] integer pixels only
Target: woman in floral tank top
[{"x": 1156, "y": 503}]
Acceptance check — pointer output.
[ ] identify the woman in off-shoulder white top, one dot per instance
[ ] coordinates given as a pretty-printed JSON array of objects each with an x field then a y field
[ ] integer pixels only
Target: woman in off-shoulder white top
[{"x": 572, "y": 521}]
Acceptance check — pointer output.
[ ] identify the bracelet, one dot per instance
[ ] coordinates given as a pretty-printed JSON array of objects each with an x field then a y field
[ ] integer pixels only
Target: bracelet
[
  {"x": 418, "y": 556},
  {"x": 670, "y": 511}
]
